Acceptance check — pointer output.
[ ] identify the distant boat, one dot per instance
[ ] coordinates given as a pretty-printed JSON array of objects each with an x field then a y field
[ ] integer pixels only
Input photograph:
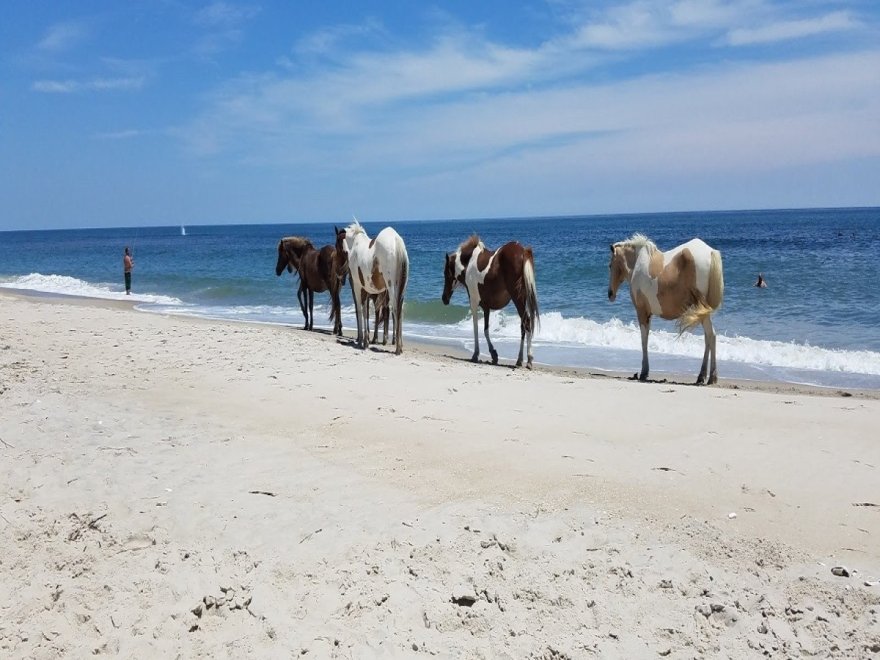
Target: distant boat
[{"x": 182, "y": 230}]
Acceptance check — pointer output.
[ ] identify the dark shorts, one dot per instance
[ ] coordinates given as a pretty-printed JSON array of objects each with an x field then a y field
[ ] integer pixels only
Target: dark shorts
[{"x": 128, "y": 281}]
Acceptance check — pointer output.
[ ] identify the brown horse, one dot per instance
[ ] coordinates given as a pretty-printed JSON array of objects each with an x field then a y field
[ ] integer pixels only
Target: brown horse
[
  {"x": 493, "y": 278},
  {"x": 317, "y": 274},
  {"x": 380, "y": 304}
]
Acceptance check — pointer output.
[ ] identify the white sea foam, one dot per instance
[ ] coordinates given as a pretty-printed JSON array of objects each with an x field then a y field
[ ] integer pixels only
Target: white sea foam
[
  {"x": 71, "y": 286},
  {"x": 556, "y": 330},
  {"x": 611, "y": 344}
]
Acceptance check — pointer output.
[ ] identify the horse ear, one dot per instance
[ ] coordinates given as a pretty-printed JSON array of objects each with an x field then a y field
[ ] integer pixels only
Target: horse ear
[
  {"x": 611, "y": 245},
  {"x": 335, "y": 229}
]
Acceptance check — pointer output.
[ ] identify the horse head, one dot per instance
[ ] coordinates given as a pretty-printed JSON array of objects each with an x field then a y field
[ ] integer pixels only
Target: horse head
[
  {"x": 340, "y": 256},
  {"x": 450, "y": 281},
  {"x": 618, "y": 269},
  {"x": 283, "y": 259}
]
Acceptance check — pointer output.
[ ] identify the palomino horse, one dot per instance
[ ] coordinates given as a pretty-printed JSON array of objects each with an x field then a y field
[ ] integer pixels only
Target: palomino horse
[
  {"x": 493, "y": 278},
  {"x": 316, "y": 274},
  {"x": 375, "y": 265},
  {"x": 685, "y": 283}
]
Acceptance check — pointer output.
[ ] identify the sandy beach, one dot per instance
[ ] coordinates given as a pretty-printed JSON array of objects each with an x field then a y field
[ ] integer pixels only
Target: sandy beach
[{"x": 174, "y": 487}]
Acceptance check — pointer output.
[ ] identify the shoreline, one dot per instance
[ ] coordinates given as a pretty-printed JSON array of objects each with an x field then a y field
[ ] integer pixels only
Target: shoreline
[
  {"x": 444, "y": 351},
  {"x": 178, "y": 486}
]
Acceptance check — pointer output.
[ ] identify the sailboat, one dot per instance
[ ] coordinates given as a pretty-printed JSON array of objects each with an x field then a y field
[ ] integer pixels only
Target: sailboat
[{"x": 182, "y": 230}]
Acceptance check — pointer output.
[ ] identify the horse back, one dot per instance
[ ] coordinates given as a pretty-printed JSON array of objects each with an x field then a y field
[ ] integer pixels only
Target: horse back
[{"x": 326, "y": 261}]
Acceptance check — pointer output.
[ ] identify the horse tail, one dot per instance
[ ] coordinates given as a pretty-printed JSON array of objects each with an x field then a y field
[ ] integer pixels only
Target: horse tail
[
  {"x": 335, "y": 311},
  {"x": 705, "y": 305},
  {"x": 400, "y": 289},
  {"x": 715, "y": 294},
  {"x": 531, "y": 289},
  {"x": 694, "y": 315}
]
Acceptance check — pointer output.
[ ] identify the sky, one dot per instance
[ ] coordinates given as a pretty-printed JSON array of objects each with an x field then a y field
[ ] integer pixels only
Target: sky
[{"x": 168, "y": 112}]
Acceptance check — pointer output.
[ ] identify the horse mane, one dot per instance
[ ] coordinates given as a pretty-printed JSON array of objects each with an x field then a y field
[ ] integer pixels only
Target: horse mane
[
  {"x": 355, "y": 228},
  {"x": 297, "y": 242},
  {"x": 639, "y": 241},
  {"x": 470, "y": 244}
]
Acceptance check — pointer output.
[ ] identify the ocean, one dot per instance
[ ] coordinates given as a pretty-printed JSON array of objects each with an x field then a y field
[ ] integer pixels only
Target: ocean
[{"x": 817, "y": 322}]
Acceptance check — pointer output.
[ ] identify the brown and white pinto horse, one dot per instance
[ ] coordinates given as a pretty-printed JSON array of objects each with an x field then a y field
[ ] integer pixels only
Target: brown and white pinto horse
[
  {"x": 376, "y": 266},
  {"x": 493, "y": 278},
  {"x": 378, "y": 300},
  {"x": 685, "y": 283},
  {"x": 316, "y": 270}
]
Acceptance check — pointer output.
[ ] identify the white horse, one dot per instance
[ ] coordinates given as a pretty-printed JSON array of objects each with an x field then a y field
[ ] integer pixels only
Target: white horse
[
  {"x": 685, "y": 283},
  {"x": 375, "y": 266}
]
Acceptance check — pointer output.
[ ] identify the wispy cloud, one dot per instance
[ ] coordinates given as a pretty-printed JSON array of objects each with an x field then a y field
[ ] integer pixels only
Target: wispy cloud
[
  {"x": 644, "y": 24},
  {"x": 94, "y": 84},
  {"x": 224, "y": 23},
  {"x": 794, "y": 29},
  {"x": 327, "y": 40},
  {"x": 225, "y": 14},
  {"x": 63, "y": 36},
  {"x": 483, "y": 119},
  {"x": 119, "y": 135}
]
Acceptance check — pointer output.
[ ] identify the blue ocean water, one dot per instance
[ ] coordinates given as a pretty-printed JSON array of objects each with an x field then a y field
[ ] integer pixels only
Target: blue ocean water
[{"x": 816, "y": 323}]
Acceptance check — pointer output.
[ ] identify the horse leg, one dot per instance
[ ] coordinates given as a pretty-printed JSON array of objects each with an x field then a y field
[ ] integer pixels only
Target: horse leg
[
  {"x": 337, "y": 311},
  {"x": 311, "y": 295},
  {"x": 301, "y": 296},
  {"x": 386, "y": 318},
  {"x": 708, "y": 354},
  {"x": 524, "y": 330},
  {"x": 365, "y": 315},
  {"x": 375, "y": 339},
  {"x": 645, "y": 327},
  {"x": 355, "y": 298},
  {"x": 476, "y": 356},
  {"x": 492, "y": 350},
  {"x": 397, "y": 302},
  {"x": 530, "y": 333}
]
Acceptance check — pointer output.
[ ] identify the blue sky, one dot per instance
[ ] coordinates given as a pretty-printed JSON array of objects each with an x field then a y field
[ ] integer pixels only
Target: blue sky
[{"x": 172, "y": 111}]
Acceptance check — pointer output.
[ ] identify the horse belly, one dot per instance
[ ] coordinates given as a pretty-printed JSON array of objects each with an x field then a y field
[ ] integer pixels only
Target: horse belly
[
  {"x": 373, "y": 281},
  {"x": 493, "y": 298}
]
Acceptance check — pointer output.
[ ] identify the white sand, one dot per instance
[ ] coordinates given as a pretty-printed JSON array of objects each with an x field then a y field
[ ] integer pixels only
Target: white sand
[{"x": 418, "y": 504}]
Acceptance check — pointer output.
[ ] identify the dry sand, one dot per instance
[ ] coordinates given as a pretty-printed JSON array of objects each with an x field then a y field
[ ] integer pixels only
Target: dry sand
[{"x": 177, "y": 488}]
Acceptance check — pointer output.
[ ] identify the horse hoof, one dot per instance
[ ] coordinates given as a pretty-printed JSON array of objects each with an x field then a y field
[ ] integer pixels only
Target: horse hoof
[
  {"x": 475, "y": 357},
  {"x": 529, "y": 365},
  {"x": 643, "y": 378}
]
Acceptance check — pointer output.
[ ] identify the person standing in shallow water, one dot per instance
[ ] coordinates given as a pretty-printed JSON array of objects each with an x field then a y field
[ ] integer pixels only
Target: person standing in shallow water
[
  {"x": 761, "y": 284},
  {"x": 127, "y": 265}
]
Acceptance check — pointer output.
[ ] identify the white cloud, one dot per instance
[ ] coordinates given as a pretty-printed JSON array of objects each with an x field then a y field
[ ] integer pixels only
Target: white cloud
[
  {"x": 119, "y": 135},
  {"x": 225, "y": 14},
  {"x": 327, "y": 40},
  {"x": 644, "y": 24},
  {"x": 793, "y": 29},
  {"x": 473, "y": 117},
  {"x": 94, "y": 84},
  {"x": 63, "y": 36}
]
